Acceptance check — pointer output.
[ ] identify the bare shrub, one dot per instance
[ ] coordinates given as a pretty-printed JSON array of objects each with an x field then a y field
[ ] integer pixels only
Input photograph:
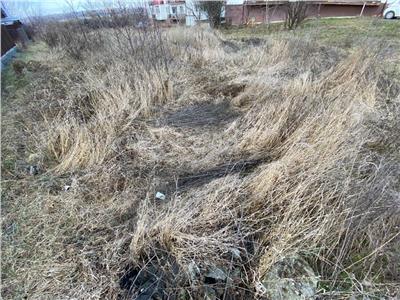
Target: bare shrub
[
  {"x": 69, "y": 35},
  {"x": 296, "y": 13},
  {"x": 50, "y": 36}
]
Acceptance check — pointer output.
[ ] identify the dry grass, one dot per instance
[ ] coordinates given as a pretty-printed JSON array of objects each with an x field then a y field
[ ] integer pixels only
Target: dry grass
[{"x": 264, "y": 152}]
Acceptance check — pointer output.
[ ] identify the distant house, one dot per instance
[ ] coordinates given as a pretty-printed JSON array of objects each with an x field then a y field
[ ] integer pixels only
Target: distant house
[
  {"x": 239, "y": 12},
  {"x": 168, "y": 11},
  {"x": 176, "y": 11}
]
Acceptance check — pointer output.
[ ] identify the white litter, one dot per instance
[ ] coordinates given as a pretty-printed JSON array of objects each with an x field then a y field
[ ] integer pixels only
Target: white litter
[{"x": 160, "y": 196}]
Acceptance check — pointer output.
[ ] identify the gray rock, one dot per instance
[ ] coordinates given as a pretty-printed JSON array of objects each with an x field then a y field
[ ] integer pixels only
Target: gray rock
[
  {"x": 291, "y": 278},
  {"x": 193, "y": 270},
  {"x": 216, "y": 273}
]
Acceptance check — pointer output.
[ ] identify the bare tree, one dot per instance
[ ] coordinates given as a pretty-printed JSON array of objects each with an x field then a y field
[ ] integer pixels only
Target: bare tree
[
  {"x": 296, "y": 13},
  {"x": 193, "y": 10},
  {"x": 213, "y": 9}
]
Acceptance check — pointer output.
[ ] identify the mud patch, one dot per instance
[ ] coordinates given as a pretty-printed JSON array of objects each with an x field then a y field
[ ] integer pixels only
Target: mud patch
[
  {"x": 229, "y": 90},
  {"x": 230, "y": 47},
  {"x": 254, "y": 41},
  {"x": 202, "y": 114},
  {"x": 243, "y": 167},
  {"x": 153, "y": 281}
]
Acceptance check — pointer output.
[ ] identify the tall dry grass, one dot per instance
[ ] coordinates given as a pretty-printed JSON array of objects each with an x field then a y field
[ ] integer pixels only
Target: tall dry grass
[
  {"x": 322, "y": 127},
  {"x": 311, "y": 199}
]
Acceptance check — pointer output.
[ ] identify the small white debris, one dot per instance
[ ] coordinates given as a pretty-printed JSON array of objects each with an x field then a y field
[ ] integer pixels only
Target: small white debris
[
  {"x": 235, "y": 252},
  {"x": 33, "y": 170},
  {"x": 260, "y": 289},
  {"x": 67, "y": 187},
  {"x": 160, "y": 196}
]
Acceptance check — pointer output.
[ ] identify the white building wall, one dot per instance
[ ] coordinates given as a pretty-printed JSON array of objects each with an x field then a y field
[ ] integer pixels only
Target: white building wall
[
  {"x": 161, "y": 11},
  {"x": 190, "y": 20},
  {"x": 234, "y": 2},
  {"x": 164, "y": 11},
  {"x": 193, "y": 15}
]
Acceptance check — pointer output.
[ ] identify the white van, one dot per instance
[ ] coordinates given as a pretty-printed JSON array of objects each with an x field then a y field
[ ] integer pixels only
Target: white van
[{"x": 392, "y": 11}]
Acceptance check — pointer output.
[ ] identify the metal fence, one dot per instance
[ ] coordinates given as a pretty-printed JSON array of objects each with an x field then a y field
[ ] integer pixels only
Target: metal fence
[{"x": 7, "y": 42}]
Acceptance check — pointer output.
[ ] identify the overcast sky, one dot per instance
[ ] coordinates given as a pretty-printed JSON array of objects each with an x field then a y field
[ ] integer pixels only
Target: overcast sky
[{"x": 23, "y": 8}]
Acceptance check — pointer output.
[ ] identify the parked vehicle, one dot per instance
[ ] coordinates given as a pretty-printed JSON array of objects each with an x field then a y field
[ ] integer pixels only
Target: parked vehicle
[{"x": 392, "y": 11}]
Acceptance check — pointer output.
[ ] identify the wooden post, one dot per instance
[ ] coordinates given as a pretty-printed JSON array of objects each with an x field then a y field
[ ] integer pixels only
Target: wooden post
[
  {"x": 362, "y": 10},
  {"x": 243, "y": 12},
  {"x": 319, "y": 11}
]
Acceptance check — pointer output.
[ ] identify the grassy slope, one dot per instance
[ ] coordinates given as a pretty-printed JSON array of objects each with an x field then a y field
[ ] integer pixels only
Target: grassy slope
[
  {"x": 331, "y": 32},
  {"x": 13, "y": 98},
  {"x": 76, "y": 244}
]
